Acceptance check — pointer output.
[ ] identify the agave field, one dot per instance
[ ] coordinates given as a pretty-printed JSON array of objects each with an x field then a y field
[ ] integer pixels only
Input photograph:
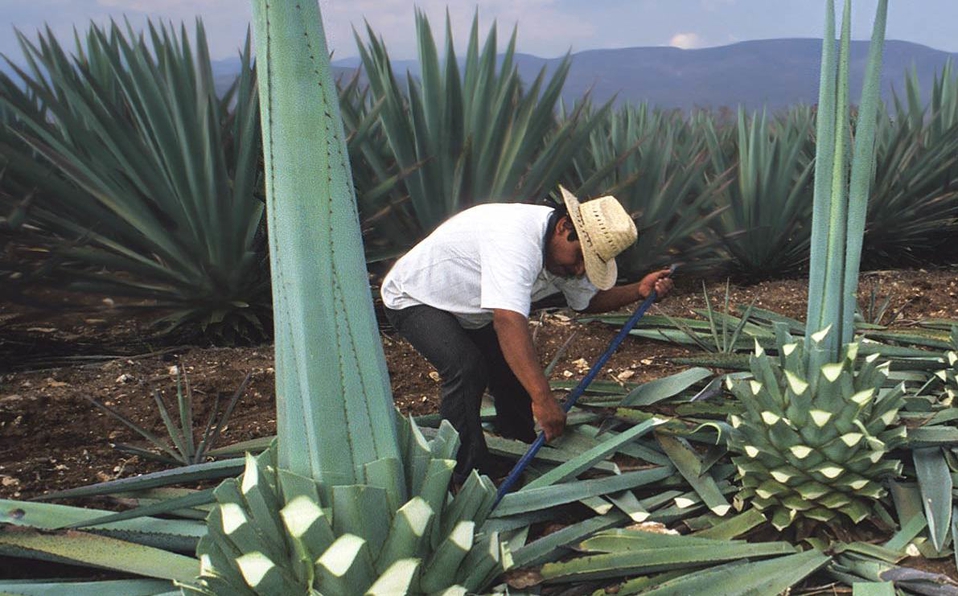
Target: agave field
[{"x": 793, "y": 432}]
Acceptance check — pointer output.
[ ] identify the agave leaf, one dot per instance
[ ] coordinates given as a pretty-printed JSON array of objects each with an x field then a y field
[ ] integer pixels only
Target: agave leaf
[
  {"x": 628, "y": 503},
  {"x": 932, "y": 436},
  {"x": 399, "y": 578},
  {"x": 122, "y": 587},
  {"x": 934, "y": 480},
  {"x": 264, "y": 575},
  {"x": 516, "y": 449},
  {"x": 471, "y": 136},
  {"x": 873, "y": 551},
  {"x": 852, "y": 568},
  {"x": 650, "y": 560},
  {"x": 688, "y": 464},
  {"x": 733, "y": 526},
  {"x": 257, "y": 445},
  {"x": 551, "y": 496},
  {"x": 473, "y": 502},
  {"x": 794, "y": 326},
  {"x": 186, "y": 474},
  {"x": 645, "y": 451},
  {"x": 774, "y": 576},
  {"x": 448, "y": 555},
  {"x": 625, "y": 540},
  {"x": 873, "y": 589},
  {"x": 176, "y": 454},
  {"x": 587, "y": 459},
  {"x": 550, "y": 547},
  {"x": 165, "y": 506},
  {"x": 954, "y": 532},
  {"x": 179, "y": 535},
  {"x": 407, "y": 532},
  {"x": 660, "y": 389},
  {"x": 929, "y": 338},
  {"x": 83, "y": 548},
  {"x": 908, "y": 532},
  {"x": 361, "y": 510}
]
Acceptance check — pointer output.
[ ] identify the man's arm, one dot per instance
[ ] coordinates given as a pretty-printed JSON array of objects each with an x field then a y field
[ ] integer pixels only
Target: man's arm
[
  {"x": 516, "y": 343},
  {"x": 618, "y": 296}
]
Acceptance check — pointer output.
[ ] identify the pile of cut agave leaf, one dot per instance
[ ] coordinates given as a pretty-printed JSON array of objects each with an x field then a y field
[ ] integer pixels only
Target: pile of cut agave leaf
[{"x": 636, "y": 502}]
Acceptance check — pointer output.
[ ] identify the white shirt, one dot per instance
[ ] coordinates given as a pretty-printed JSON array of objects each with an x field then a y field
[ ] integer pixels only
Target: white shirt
[{"x": 486, "y": 257}]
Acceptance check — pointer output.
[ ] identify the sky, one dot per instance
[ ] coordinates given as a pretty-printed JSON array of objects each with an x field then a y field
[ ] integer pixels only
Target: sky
[{"x": 546, "y": 28}]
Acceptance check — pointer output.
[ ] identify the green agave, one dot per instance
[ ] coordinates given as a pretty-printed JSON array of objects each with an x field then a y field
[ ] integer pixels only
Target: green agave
[
  {"x": 274, "y": 531},
  {"x": 813, "y": 438},
  {"x": 143, "y": 177},
  {"x": 817, "y": 426}
]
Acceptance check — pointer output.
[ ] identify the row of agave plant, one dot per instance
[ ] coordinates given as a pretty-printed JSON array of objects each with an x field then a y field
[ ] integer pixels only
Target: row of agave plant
[
  {"x": 347, "y": 499},
  {"x": 124, "y": 171}
]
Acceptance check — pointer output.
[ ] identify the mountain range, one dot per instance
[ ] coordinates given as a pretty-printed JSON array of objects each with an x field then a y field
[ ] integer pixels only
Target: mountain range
[{"x": 773, "y": 73}]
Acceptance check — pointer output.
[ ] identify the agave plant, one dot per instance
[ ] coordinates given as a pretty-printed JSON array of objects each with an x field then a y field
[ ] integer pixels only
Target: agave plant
[
  {"x": 475, "y": 135},
  {"x": 186, "y": 445},
  {"x": 815, "y": 433},
  {"x": 338, "y": 449},
  {"x": 650, "y": 160},
  {"x": 913, "y": 207},
  {"x": 764, "y": 225},
  {"x": 154, "y": 183},
  {"x": 816, "y": 427},
  {"x": 389, "y": 225}
]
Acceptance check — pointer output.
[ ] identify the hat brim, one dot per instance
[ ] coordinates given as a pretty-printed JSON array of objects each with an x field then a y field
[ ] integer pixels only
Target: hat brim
[{"x": 601, "y": 273}]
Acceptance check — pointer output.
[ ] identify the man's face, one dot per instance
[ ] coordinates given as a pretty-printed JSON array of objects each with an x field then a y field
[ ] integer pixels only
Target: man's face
[{"x": 563, "y": 256}]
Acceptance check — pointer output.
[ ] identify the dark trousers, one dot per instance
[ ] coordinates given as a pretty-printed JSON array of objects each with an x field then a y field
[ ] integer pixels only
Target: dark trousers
[{"x": 468, "y": 361}]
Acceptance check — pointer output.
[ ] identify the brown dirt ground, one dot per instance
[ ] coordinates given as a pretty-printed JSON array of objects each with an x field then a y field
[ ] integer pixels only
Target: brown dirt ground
[{"x": 52, "y": 438}]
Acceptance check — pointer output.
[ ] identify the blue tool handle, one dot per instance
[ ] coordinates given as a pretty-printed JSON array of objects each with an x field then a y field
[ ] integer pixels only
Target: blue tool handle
[{"x": 516, "y": 472}]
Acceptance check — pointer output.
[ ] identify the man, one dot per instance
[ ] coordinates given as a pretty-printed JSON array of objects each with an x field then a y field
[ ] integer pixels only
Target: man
[{"x": 462, "y": 297}]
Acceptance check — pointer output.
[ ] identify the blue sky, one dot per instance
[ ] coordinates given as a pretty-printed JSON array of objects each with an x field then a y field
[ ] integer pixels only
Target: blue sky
[{"x": 547, "y": 28}]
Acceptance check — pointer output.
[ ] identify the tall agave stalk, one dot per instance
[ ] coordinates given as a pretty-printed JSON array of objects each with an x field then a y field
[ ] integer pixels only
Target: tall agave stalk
[
  {"x": 347, "y": 501},
  {"x": 816, "y": 426}
]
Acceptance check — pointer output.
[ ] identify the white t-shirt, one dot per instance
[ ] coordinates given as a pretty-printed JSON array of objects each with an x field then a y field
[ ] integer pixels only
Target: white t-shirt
[{"x": 486, "y": 257}]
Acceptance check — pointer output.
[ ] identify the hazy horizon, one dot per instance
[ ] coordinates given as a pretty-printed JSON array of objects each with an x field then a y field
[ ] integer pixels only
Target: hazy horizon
[{"x": 546, "y": 28}]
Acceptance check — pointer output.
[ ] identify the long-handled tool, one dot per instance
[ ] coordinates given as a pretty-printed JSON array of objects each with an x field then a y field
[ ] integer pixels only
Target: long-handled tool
[{"x": 577, "y": 392}]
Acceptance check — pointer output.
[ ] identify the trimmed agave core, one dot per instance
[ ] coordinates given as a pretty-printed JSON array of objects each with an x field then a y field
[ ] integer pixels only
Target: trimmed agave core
[
  {"x": 813, "y": 435},
  {"x": 274, "y": 532}
]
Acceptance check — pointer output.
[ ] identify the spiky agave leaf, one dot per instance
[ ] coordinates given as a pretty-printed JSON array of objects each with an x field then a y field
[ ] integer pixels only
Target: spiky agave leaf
[
  {"x": 813, "y": 444},
  {"x": 274, "y": 532}
]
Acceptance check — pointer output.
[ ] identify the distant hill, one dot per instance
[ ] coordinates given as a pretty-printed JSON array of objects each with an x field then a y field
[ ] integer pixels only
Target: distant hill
[{"x": 775, "y": 73}]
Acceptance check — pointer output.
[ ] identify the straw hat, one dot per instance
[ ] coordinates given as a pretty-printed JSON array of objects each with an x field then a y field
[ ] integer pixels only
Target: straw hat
[{"x": 604, "y": 229}]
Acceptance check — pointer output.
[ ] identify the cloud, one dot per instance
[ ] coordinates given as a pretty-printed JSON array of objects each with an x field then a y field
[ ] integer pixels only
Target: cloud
[{"x": 686, "y": 41}]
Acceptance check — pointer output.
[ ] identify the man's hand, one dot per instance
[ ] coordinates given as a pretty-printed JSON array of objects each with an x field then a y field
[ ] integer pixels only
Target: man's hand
[
  {"x": 515, "y": 340},
  {"x": 550, "y": 416},
  {"x": 658, "y": 281}
]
